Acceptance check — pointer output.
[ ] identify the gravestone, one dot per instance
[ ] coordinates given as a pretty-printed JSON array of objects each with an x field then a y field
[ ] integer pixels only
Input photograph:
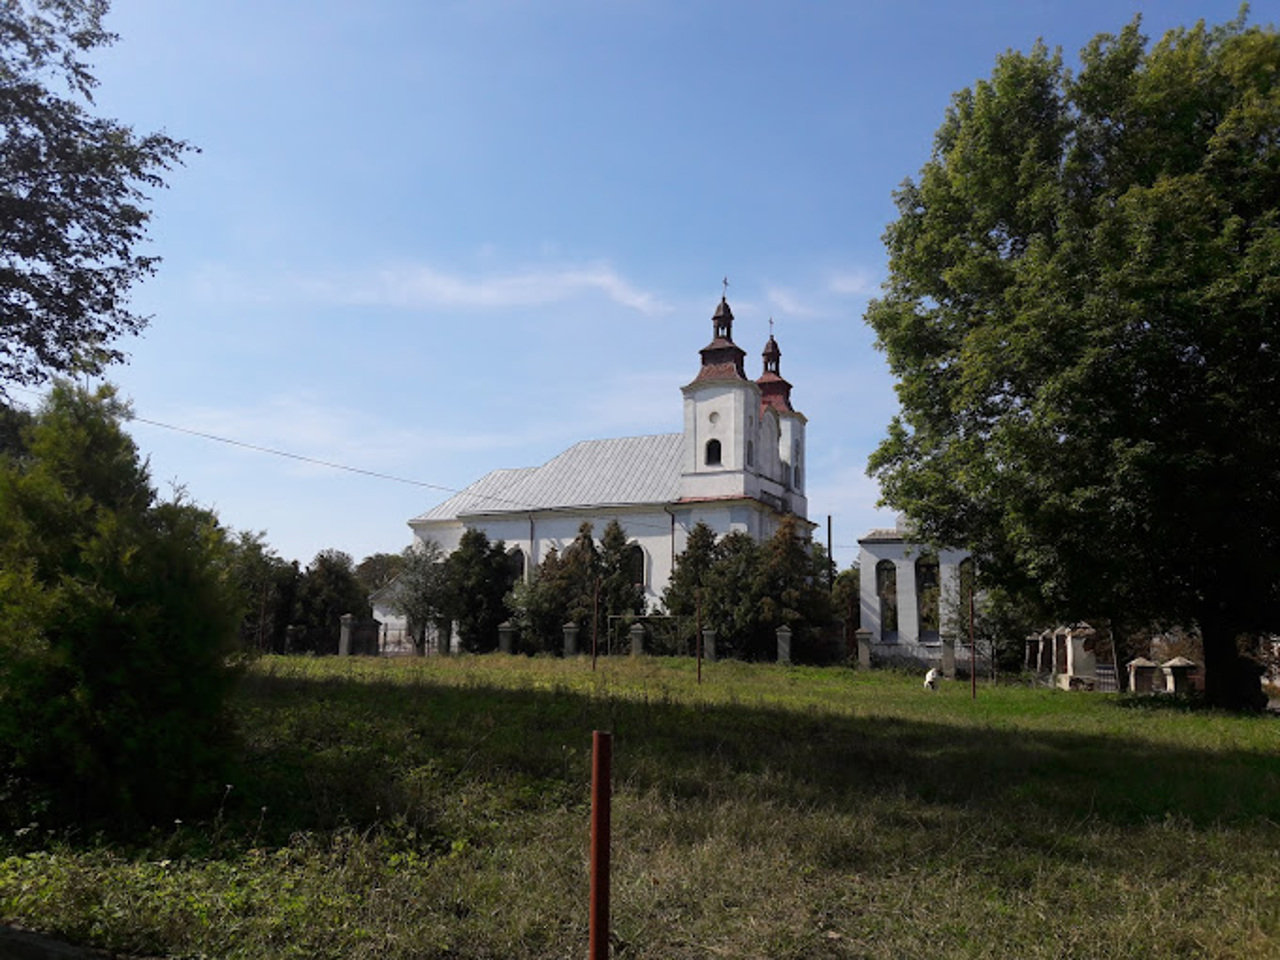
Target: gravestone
[
  {"x": 637, "y": 639},
  {"x": 708, "y": 643},
  {"x": 506, "y": 636},
  {"x": 570, "y": 639}
]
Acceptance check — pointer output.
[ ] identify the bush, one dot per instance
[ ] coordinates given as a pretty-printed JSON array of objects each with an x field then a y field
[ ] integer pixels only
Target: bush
[{"x": 117, "y": 620}]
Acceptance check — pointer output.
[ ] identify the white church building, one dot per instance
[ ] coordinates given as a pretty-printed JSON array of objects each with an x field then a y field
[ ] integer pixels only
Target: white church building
[{"x": 738, "y": 465}]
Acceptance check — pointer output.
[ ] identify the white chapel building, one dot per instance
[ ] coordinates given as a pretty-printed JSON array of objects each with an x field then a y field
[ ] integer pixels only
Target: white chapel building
[{"x": 738, "y": 465}]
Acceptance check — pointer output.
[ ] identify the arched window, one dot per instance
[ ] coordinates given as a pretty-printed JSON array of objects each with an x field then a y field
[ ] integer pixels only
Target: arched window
[
  {"x": 927, "y": 597},
  {"x": 751, "y": 453},
  {"x": 635, "y": 564},
  {"x": 713, "y": 453},
  {"x": 515, "y": 564},
  {"x": 887, "y": 594}
]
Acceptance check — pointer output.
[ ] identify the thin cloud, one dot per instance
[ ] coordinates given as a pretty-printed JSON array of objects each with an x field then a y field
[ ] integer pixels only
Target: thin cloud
[
  {"x": 788, "y": 304},
  {"x": 418, "y": 285},
  {"x": 854, "y": 283}
]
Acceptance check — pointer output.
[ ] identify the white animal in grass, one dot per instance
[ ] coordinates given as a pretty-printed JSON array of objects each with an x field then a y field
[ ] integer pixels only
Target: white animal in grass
[{"x": 931, "y": 679}]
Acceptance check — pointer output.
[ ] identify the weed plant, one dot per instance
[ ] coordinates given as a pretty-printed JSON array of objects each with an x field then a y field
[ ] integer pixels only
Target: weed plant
[{"x": 439, "y": 808}]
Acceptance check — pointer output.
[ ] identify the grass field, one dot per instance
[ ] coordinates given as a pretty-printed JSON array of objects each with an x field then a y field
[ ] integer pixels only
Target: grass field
[{"x": 440, "y": 809}]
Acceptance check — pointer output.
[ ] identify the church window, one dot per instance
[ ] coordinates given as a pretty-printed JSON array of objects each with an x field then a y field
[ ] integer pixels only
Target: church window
[
  {"x": 713, "y": 453},
  {"x": 751, "y": 454},
  {"x": 927, "y": 597},
  {"x": 515, "y": 564},
  {"x": 635, "y": 564},
  {"x": 887, "y": 595}
]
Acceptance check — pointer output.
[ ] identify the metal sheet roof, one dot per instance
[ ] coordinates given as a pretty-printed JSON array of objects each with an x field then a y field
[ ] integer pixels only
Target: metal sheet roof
[{"x": 618, "y": 472}]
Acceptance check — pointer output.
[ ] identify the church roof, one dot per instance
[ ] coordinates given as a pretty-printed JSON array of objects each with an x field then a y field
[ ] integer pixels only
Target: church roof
[{"x": 618, "y": 472}]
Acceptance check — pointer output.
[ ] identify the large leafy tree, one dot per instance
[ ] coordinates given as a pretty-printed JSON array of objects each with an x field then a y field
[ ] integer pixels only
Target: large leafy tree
[
  {"x": 1083, "y": 314},
  {"x": 73, "y": 196},
  {"x": 117, "y": 619}
]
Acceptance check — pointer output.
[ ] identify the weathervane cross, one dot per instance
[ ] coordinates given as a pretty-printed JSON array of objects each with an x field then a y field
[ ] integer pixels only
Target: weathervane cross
[
  {"x": 771, "y": 326},
  {"x": 725, "y": 294}
]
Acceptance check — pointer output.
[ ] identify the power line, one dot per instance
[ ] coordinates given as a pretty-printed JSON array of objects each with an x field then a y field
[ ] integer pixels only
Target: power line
[
  {"x": 362, "y": 471},
  {"x": 295, "y": 456}
]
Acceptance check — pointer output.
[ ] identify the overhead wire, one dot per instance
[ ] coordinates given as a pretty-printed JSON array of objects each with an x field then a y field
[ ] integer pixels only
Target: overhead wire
[{"x": 333, "y": 465}]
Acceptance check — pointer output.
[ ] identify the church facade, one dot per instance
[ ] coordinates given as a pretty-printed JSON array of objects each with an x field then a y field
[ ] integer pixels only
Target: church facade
[{"x": 737, "y": 465}]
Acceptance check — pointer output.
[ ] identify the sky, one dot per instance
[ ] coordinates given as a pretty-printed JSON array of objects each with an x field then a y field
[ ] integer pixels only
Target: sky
[{"x": 429, "y": 239}]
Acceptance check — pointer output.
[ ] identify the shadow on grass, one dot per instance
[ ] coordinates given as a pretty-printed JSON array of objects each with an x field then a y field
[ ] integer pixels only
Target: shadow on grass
[{"x": 334, "y": 751}]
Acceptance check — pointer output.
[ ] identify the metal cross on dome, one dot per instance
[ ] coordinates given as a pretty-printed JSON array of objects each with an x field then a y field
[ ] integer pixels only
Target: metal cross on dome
[{"x": 725, "y": 294}]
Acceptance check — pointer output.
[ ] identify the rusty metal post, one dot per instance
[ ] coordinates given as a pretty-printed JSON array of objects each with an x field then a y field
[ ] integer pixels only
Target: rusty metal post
[
  {"x": 697, "y": 627},
  {"x": 973, "y": 651},
  {"x": 595, "y": 624},
  {"x": 601, "y": 795}
]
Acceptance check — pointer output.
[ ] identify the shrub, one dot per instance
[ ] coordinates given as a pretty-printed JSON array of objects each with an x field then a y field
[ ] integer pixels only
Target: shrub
[{"x": 117, "y": 619}]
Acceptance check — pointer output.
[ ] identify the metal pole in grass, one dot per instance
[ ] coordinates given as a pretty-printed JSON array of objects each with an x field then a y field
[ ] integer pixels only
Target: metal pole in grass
[
  {"x": 697, "y": 626},
  {"x": 601, "y": 793},
  {"x": 973, "y": 657},
  {"x": 595, "y": 624}
]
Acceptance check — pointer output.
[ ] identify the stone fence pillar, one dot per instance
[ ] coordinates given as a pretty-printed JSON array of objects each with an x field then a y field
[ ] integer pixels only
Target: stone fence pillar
[
  {"x": 570, "y": 639},
  {"x": 784, "y": 644},
  {"x": 637, "y": 639},
  {"x": 346, "y": 621},
  {"x": 506, "y": 636},
  {"x": 709, "y": 643},
  {"x": 949, "y": 656},
  {"x": 862, "y": 637}
]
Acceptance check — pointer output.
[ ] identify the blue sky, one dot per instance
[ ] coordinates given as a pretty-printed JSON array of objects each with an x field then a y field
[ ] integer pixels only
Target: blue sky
[{"x": 430, "y": 239}]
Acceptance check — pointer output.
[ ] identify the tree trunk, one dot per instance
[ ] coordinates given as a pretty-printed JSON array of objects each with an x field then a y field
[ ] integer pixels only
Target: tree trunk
[{"x": 1232, "y": 677}]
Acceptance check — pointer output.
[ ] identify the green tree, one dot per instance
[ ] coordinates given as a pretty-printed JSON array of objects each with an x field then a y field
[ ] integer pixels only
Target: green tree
[
  {"x": 791, "y": 582},
  {"x": 1083, "y": 312},
  {"x": 327, "y": 591},
  {"x": 689, "y": 576},
  {"x": 478, "y": 576},
  {"x": 621, "y": 590},
  {"x": 268, "y": 588},
  {"x": 378, "y": 569},
  {"x": 538, "y": 607},
  {"x": 731, "y": 602},
  {"x": 420, "y": 590},
  {"x": 117, "y": 621},
  {"x": 73, "y": 204}
]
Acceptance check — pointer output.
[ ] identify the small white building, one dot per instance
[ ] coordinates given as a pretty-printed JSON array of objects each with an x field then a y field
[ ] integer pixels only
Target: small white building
[
  {"x": 738, "y": 465},
  {"x": 910, "y": 594}
]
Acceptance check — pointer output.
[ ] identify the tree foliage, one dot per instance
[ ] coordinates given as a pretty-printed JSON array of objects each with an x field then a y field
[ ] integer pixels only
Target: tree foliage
[
  {"x": 73, "y": 204},
  {"x": 378, "y": 569},
  {"x": 268, "y": 592},
  {"x": 420, "y": 591},
  {"x": 117, "y": 618},
  {"x": 478, "y": 576},
  {"x": 746, "y": 590},
  {"x": 621, "y": 584},
  {"x": 1082, "y": 313},
  {"x": 328, "y": 590}
]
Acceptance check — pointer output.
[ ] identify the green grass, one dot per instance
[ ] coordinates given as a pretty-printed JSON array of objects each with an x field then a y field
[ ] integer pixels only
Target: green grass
[{"x": 440, "y": 809}]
